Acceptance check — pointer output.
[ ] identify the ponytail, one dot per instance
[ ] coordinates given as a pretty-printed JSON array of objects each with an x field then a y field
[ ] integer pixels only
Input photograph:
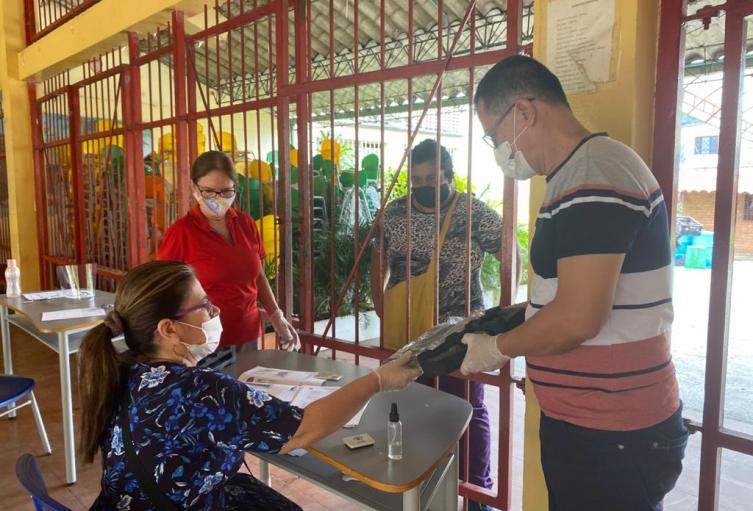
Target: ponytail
[
  {"x": 100, "y": 387},
  {"x": 148, "y": 293}
]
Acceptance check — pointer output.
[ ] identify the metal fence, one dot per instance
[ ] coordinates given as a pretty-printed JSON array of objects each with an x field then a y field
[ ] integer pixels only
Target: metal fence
[
  {"x": 297, "y": 94},
  {"x": 44, "y": 16}
]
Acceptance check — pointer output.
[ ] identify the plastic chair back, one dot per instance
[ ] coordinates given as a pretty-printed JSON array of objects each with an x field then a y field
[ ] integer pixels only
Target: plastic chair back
[{"x": 28, "y": 474}]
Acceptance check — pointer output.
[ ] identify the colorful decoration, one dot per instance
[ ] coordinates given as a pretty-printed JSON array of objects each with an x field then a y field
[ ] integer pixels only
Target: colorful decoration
[{"x": 326, "y": 149}]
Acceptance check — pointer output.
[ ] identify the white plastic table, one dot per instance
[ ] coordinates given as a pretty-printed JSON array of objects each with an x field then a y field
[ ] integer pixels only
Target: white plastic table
[{"x": 63, "y": 337}]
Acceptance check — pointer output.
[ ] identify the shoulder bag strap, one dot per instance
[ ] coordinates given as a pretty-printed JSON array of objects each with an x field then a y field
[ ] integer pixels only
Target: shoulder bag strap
[{"x": 146, "y": 481}]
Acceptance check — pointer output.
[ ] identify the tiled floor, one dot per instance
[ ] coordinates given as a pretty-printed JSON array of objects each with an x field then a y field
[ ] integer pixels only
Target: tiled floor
[{"x": 18, "y": 436}]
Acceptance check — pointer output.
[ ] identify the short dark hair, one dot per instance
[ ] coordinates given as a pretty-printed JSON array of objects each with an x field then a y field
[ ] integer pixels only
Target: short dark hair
[
  {"x": 212, "y": 160},
  {"x": 426, "y": 151},
  {"x": 518, "y": 76}
]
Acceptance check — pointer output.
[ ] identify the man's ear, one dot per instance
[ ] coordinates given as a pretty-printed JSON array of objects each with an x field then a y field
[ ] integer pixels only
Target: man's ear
[{"x": 527, "y": 111}]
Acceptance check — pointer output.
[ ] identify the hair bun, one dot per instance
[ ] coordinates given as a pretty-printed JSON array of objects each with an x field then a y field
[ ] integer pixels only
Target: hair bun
[{"x": 114, "y": 323}]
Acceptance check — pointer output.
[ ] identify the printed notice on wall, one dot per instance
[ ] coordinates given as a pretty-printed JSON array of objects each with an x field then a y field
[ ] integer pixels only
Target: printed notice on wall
[{"x": 579, "y": 42}]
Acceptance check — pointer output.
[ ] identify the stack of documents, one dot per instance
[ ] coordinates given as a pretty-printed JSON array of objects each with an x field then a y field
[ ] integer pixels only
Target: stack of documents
[{"x": 299, "y": 388}]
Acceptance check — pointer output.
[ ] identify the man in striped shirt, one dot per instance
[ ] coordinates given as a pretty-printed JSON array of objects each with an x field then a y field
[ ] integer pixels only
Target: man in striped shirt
[{"x": 596, "y": 336}]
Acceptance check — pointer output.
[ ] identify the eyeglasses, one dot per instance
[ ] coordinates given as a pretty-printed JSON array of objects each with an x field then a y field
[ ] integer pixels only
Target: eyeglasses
[
  {"x": 210, "y": 193},
  {"x": 207, "y": 305},
  {"x": 490, "y": 137}
]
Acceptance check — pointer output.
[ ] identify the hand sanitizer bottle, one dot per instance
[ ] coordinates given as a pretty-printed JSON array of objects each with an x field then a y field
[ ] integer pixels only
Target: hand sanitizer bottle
[{"x": 394, "y": 435}]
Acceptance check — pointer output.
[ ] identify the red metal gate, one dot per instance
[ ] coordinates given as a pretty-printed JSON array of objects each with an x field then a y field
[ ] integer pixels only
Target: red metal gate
[
  {"x": 5, "y": 253},
  {"x": 274, "y": 84},
  {"x": 80, "y": 170},
  {"x": 432, "y": 70},
  {"x": 716, "y": 435}
]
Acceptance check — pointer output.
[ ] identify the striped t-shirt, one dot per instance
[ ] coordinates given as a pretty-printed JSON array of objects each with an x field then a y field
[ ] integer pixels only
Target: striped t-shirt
[{"x": 604, "y": 200}]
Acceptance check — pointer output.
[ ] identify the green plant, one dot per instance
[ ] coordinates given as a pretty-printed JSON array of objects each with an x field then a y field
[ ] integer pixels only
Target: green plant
[
  {"x": 344, "y": 254},
  {"x": 523, "y": 240},
  {"x": 490, "y": 266}
]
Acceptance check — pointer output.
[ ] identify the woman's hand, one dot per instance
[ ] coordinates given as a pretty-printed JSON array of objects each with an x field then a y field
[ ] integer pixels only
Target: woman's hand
[
  {"x": 396, "y": 374},
  {"x": 289, "y": 339},
  {"x": 326, "y": 415}
]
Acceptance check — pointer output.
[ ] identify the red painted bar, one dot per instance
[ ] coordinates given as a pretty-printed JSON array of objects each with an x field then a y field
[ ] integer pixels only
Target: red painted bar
[
  {"x": 721, "y": 272},
  {"x": 39, "y": 182},
  {"x": 302, "y": 65},
  {"x": 181, "y": 139},
  {"x": 78, "y": 182},
  {"x": 402, "y": 72},
  {"x": 134, "y": 149}
]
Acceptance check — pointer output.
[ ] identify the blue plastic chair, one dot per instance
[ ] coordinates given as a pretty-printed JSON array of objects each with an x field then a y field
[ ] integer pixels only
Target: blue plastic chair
[
  {"x": 28, "y": 474},
  {"x": 14, "y": 388}
]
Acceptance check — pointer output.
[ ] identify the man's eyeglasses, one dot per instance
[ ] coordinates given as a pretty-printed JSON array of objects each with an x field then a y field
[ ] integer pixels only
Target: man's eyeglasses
[
  {"x": 210, "y": 193},
  {"x": 490, "y": 137}
]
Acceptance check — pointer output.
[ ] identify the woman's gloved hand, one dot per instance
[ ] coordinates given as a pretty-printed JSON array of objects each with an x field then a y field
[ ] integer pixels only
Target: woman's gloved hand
[
  {"x": 289, "y": 340},
  {"x": 396, "y": 374},
  {"x": 482, "y": 355}
]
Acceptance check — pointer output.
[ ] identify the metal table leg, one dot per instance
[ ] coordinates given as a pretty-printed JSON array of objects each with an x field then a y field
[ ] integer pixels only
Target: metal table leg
[
  {"x": 412, "y": 499},
  {"x": 449, "y": 490},
  {"x": 67, "y": 401},
  {"x": 264, "y": 475},
  {"x": 7, "y": 355}
]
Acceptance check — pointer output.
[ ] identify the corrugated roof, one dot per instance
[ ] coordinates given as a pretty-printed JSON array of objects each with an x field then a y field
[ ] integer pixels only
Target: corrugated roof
[{"x": 490, "y": 26}]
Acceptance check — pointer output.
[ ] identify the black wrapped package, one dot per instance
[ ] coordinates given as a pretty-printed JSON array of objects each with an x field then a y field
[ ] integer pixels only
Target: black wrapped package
[{"x": 440, "y": 350}]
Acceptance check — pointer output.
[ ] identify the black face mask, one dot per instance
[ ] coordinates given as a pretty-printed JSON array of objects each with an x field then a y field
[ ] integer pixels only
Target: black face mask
[{"x": 425, "y": 195}]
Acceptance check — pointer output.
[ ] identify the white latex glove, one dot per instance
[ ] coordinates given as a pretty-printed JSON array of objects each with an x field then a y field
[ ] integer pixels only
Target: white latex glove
[
  {"x": 482, "y": 355},
  {"x": 289, "y": 340},
  {"x": 396, "y": 374}
]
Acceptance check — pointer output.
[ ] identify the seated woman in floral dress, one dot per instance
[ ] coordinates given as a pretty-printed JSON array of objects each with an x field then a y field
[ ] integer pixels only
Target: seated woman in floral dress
[{"x": 172, "y": 435}]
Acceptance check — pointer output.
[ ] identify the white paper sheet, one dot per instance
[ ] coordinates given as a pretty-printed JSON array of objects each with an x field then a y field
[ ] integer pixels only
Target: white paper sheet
[
  {"x": 299, "y": 388},
  {"x": 261, "y": 374},
  {"x": 49, "y": 295},
  {"x": 88, "y": 312},
  {"x": 579, "y": 42},
  {"x": 307, "y": 394}
]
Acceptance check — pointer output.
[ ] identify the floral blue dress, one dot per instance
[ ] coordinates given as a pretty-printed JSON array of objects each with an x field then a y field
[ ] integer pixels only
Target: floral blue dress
[{"x": 193, "y": 425}]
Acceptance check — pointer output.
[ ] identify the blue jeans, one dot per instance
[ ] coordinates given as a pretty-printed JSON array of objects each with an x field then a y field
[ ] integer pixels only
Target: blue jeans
[{"x": 587, "y": 469}]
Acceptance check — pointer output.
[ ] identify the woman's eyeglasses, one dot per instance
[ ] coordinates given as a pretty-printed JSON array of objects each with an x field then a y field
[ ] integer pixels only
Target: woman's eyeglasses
[
  {"x": 210, "y": 193},
  {"x": 208, "y": 306}
]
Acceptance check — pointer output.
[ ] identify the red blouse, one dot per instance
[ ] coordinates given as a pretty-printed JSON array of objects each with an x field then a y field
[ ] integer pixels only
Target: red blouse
[{"x": 227, "y": 271}]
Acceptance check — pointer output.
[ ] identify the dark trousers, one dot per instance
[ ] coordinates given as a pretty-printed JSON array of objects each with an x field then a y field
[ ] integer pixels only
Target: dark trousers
[
  {"x": 480, "y": 435},
  {"x": 593, "y": 470}
]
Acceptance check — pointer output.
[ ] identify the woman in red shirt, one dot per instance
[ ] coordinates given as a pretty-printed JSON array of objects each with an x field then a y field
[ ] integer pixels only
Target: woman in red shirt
[{"x": 223, "y": 246}]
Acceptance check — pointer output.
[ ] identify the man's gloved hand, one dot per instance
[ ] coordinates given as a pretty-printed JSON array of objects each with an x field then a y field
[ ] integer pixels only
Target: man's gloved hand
[
  {"x": 289, "y": 340},
  {"x": 482, "y": 355}
]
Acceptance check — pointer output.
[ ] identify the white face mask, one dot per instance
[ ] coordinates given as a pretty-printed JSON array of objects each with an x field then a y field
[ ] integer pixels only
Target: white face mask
[
  {"x": 212, "y": 332},
  {"x": 513, "y": 165},
  {"x": 215, "y": 206}
]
